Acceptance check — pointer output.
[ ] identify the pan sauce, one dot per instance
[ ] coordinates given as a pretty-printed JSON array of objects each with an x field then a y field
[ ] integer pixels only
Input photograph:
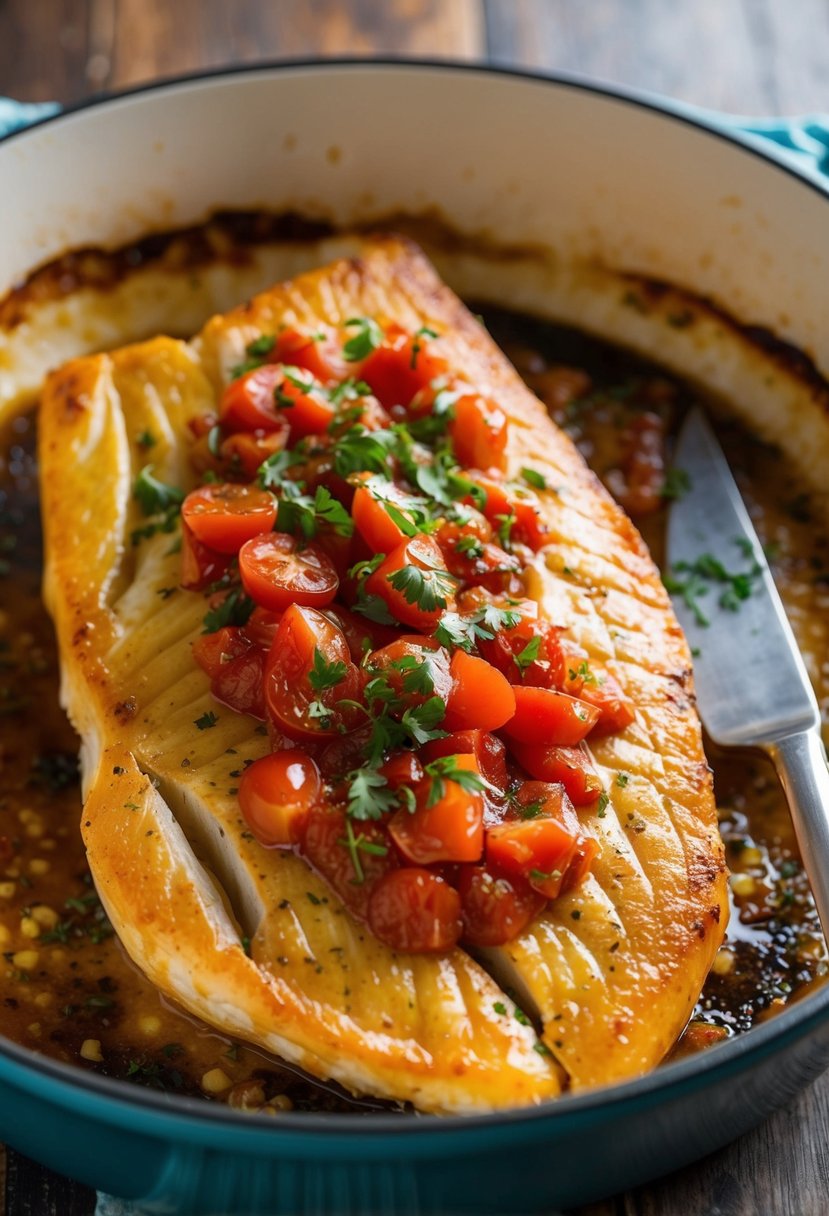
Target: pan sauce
[{"x": 68, "y": 988}]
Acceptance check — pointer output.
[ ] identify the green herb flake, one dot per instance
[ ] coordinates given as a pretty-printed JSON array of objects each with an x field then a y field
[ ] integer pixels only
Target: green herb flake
[
  {"x": 528, "y": 655},
  {"x": 324, "y": 674},
  {"x": 368, "y": 336},
  {"x": 602, "y": 805},
  {"x": 206, "y": 721},
  {"x": 535, "y": 479}
]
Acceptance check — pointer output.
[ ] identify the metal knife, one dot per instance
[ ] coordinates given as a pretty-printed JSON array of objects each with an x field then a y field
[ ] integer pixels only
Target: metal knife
[{"x": 752, "y": 686}]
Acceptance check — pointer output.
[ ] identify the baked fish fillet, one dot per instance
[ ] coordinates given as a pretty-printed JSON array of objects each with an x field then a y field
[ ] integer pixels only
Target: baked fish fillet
[{"x": 250, "y": 939}]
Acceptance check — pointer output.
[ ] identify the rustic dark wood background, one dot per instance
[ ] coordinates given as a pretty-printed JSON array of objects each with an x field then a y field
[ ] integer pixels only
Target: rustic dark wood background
[{"x": 767, "y": 57}]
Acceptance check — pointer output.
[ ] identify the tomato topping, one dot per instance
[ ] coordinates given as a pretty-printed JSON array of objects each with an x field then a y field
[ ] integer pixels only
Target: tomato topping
[
  {"x": 318, "y": 353},
  {"x": 571, "y": 767},
  {"x": 225, "y": 515},
  {"x": 238, "y": 683},
  {"x": 261, "y": 626},
  {"x": 402, "y": 768},
  {"x": 265, "y": 398},
  {"x": 480, "y": 697},
  {"x": 529, "y": 527},
  {"x": 276, "y": 794},
  {"x": 277, "y": 573},
  {"x": 479, "y": 433},
  {"x": 307, "y": 672},
  {"x": 415, "y": 910},
  {"x": 361, "y": 634},
  {"x": 448, "y": 821},
  {"x": 545, "y": 716},
  {"x": 489, "y": 751},
  {"x": 351, "y": 856},
  {"x": 212, "y": 650},
  {"x": 243, "y": 452},
  {"x": 371, "y": 519},
  {"x": 414, "y": 582},
  {"x": 581, "y": 863},
  {"x": 401, "y": 367},
  {"x": 540, "y": 845},
  {"x": 613, "y": 706},
  {"x": 200, "y": 565},
  {"x": 495, "y": 908},
  {"x": 416, "y": 667}
]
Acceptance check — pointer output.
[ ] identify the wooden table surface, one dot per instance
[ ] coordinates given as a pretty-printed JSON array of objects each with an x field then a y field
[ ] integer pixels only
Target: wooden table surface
[{"x": 744, "y": 56}]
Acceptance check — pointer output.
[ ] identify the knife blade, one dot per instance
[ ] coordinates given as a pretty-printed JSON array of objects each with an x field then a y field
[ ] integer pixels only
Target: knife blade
[{"x": 751, "y": 683}]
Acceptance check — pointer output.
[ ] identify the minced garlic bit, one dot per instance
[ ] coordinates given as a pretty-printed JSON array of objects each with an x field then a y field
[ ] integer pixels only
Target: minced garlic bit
[
  {"x": 25, "y": 959},
  {"x": 216, "y": 1081},
  {"x": 91, "y": 1050},
  {"x": 149, "y": 1024},
  {"x": 45, "y": 916},
  {"x": 39, "y": 866},
  {"x": 7, "y": 890},
  {"x": 723, "y": 963},
  {"x": 29, "y": 927},
  {"x": 743, "y": 884}
]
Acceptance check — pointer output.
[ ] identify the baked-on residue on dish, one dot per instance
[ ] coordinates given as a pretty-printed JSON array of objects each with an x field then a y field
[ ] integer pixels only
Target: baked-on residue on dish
[{"x": 251, "y": 939}]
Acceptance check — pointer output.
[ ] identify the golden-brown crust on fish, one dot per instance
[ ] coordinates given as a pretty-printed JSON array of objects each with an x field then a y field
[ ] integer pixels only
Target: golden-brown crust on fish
[{"x": 613, "y": 968}]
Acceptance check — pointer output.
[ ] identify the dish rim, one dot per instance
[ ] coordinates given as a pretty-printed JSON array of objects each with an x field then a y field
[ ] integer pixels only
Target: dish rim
[{"x": 797, "y": 1021}]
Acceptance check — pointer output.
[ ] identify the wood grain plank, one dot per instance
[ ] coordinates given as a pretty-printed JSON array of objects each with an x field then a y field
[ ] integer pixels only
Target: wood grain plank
[
  {"x": 742, "y": 56},
  {"x": 32, "y": 1190}
]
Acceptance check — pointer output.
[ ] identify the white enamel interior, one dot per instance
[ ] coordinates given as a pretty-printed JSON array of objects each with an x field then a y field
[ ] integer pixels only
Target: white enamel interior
[{"x": 581, "y": 174}]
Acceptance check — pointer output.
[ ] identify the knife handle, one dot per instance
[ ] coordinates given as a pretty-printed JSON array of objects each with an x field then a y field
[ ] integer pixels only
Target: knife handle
[{"x": 800, "y": 761}]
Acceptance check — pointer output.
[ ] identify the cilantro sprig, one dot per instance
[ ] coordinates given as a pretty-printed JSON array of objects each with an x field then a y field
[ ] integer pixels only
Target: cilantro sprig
[
  {"x": 429, "y": 589},
  {"x": 158, "y": 500},
  {"x": 367, "y": 337},
  {"x": 465, "y": 630}
]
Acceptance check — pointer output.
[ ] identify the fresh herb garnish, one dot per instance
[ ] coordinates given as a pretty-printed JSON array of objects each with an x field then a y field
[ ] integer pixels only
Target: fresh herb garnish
[
  {"x": 465, "y": 630},
  {"x": 707, "y": 571},
  {"x": 234, "y": 609},
  {"x": 157, "y": 500},
  {"x": 303, "y": 515},
  {"x": 428, "y": 589},
  {"x": 446, "y": 768},
  {"x": 356, "y": 843},
  {"x": 324, "y": 674},
  {"x": 206, "y": 721},
  {"x": 677, "y": 483},
  {"x": 417, "y": 345},
  {"x": 367, "y": 337},
  {"x": 535, "y": 479},
  {"x": 528, "y": 655}
]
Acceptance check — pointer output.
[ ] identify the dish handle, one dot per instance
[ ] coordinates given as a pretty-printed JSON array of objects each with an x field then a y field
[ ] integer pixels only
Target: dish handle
[
  {"x": 803, "y": 140},
  {"x": 17, "y": 114}
]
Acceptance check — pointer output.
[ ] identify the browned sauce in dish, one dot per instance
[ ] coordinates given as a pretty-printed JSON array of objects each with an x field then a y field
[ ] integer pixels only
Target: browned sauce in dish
[{"x": 69, "y": 990}]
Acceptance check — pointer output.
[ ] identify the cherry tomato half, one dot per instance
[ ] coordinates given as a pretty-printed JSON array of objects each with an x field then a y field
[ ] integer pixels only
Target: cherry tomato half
[
  {"x": 301, "y": 693},
  {"x": 336, "y": 847},
  {"x": 495, "y": 908},
  {"x": 276, "y": 794},
  {"x": 412, "y": 909},
  {"x": 414, "y": 582},
  {"x": 277, "y": 573},
  {"x": 447, "y": 823},
  {"x": 479, "y": 433},
  {"x": 225, "y": 515},
  {"x": 571, "y": 767}
]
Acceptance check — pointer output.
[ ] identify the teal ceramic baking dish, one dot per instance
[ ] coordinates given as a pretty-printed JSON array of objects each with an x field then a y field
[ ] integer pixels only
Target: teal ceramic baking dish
[{"x": 65, "y": 186}]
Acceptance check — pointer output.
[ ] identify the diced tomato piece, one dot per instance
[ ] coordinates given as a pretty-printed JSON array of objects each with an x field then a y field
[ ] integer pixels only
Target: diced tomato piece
[
  {"x": 414, "y": 582},
  {"x": 336, "y": 847},
  {"x": 298, "y": 702},
  {"x": 401, "y": 367},
  {"x": 571, "y": 767},
  {"x": 243, "y": 452},
  {"x": 538, "y": 849},
  {"x": 238, "y": 683},
  {"x": 544, "y": 716},
  {"x": 480, "y": 695},
  {"x": 261, "y": 626},
  {"x": 212, "y": 650},
  {"x": 614, "y": 707},
  {"x": 263, "y": 399},
  {"x": 502, "y": 501},
  {"x": 277, "y": 573},
  {"x": 475, "y": 560},
  {"x": 448, "y": 822},
  {"x": 489, "y": 751},
  {"x": 318, "y": 353},
  {"x": 508, "y": 644},
  {"x": 402, "y": 768},
  {"x": 361, "y": 634},
  {"x": 223, "y": 516},
  {"x": 249, "y": 402},
  {"x": 415, "y": 666},
  {"x": 581, "y": 863},
  {"x": 479, "y": 433},
  {"x": 495, "y": 908},
  {"x": 276, "y": 794},
  {"x": 371, "y": 519},
  {"x": 200, "y": 565},
  {"x": 414, "y": 910},
  {"x": 202, "y": 424}
]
